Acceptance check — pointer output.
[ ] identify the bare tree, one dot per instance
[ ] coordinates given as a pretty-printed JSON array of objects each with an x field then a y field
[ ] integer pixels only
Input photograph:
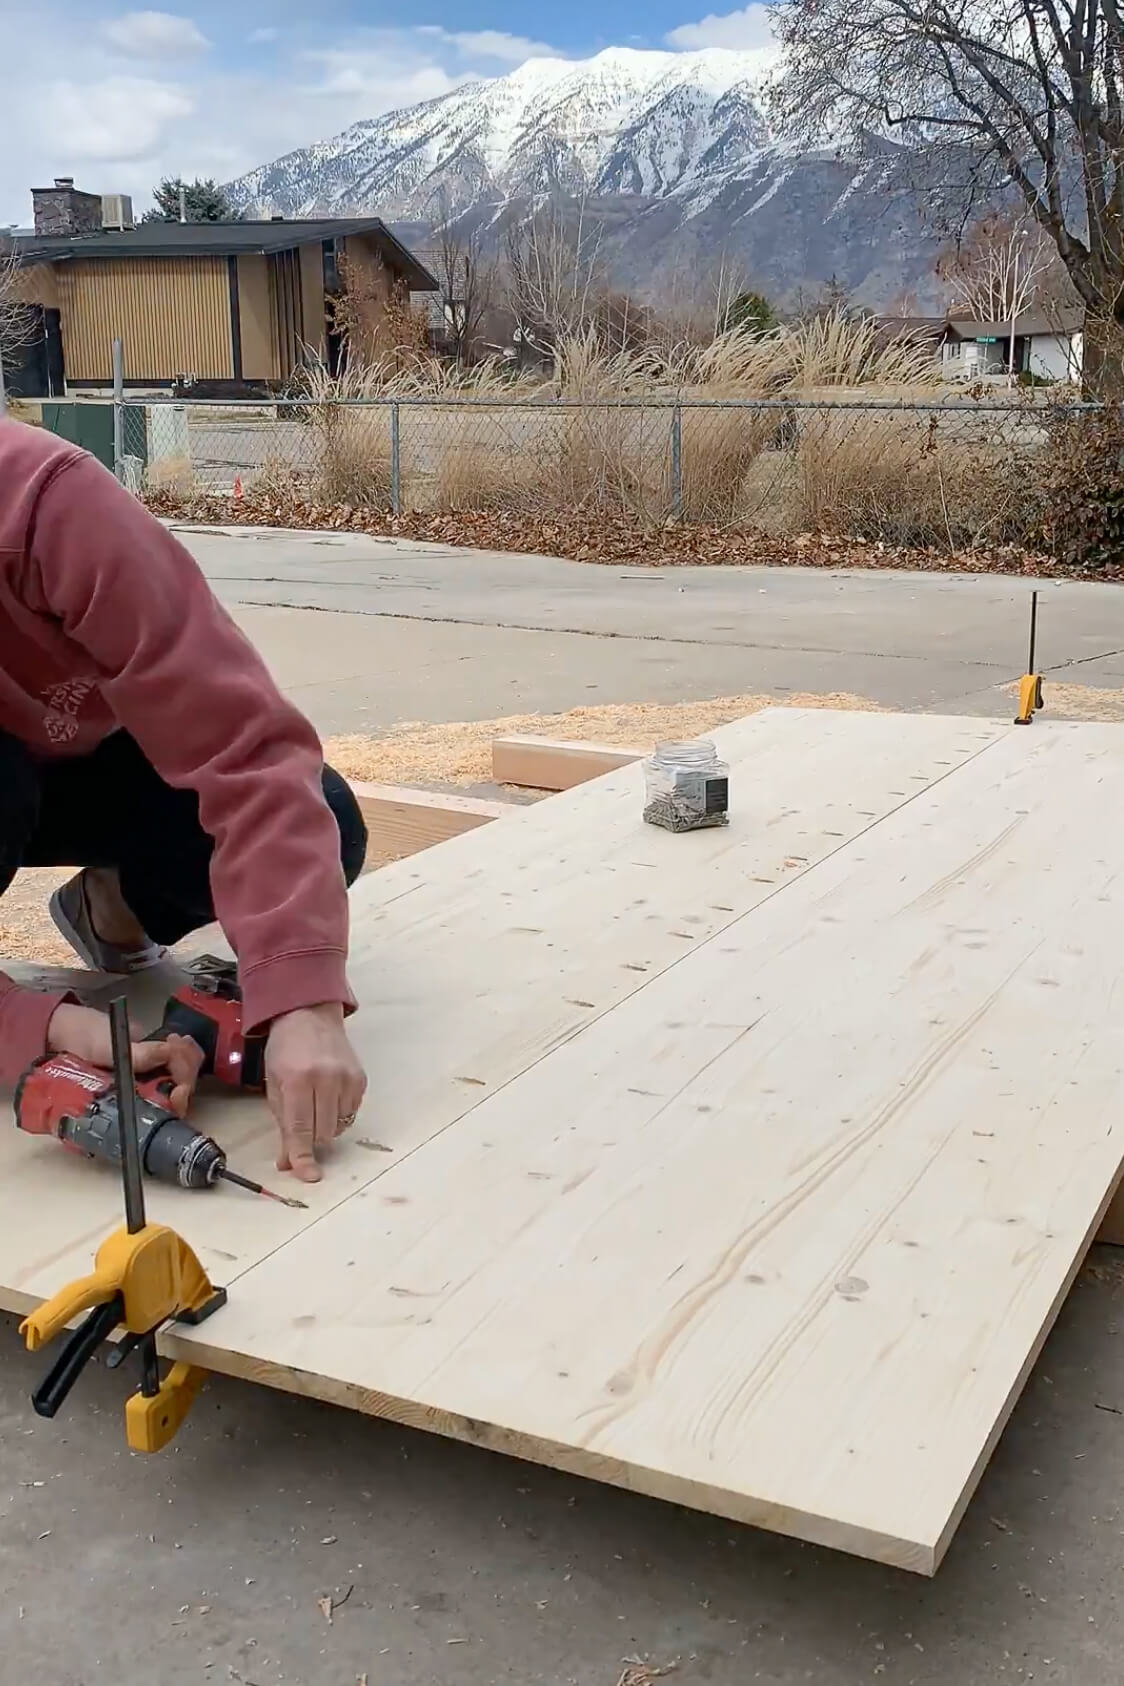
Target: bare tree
[
  {"x": 1024, "y": 97},
  {"x": 998, "y": 273},
  {"x": 467, "y": 273},
  {"x": 373, "y": 316},
  {"x": 553, "y": 275},
  {"x": 17, "y": 316}
]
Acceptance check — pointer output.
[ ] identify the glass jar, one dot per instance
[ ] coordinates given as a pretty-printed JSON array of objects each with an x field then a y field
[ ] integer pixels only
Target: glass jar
[{"x": 686, "y": 787}]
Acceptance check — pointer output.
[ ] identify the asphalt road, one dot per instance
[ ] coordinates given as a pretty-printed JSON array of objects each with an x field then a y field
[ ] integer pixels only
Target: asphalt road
[{"x": 426, "y": 632}]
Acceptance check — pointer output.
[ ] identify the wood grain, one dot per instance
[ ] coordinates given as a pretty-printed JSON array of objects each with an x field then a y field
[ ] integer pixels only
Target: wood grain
[{"x": 827, "y": 1181}]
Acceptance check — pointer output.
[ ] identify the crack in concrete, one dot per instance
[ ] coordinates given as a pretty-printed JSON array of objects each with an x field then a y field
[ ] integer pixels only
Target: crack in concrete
[{"x": 593, "y": 632}]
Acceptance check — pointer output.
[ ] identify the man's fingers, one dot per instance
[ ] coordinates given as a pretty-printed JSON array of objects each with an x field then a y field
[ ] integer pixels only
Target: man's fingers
[
  {"x": 298, "y": 1128},
  {"x": 149, "y": 1056},
  {"x": 181, "y": 1057},
  {"x": 327, "y": 1110},
  {"x": 351, "y": 1095}
]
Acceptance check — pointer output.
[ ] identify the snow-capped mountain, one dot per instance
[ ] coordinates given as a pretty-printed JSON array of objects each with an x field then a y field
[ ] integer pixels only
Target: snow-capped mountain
[{"x": 672, "y": 150}]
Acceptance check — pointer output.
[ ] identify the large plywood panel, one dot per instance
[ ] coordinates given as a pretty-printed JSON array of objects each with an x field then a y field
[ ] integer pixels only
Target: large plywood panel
[
  {"x": 820, "y": 1113},
  {"x": 826, "y": 1181}
]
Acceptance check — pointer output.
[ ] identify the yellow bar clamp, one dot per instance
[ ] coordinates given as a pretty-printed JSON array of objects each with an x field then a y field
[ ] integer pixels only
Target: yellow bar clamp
[{"x": 139, "y": 1282}]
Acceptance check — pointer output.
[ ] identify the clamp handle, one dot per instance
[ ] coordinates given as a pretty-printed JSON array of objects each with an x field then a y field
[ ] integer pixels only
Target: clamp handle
[{"x": 75, "y": 1355}]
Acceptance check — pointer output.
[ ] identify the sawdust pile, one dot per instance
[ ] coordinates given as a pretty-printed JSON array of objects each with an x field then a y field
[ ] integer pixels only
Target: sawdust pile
[
  {"x": 461, "y": 752},
  {"x": 26, "y": 931},
  {"x": 1079, "y": 702}
]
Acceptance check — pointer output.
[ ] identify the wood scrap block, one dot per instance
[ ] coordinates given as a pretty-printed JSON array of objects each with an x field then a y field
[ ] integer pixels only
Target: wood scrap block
[
  {"x": 401, "y": 821},
  {"x": 553, "y": 764}
]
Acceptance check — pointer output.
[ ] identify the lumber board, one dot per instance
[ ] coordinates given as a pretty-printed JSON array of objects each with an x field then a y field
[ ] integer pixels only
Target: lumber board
[
  {"x": 822, "y": 1112},
  {"x": 400, "y": 821},
  {"x": 553, "y": 763},
  {"x": 827, "y": 1179},
  {"x": 478, "y": 957}
]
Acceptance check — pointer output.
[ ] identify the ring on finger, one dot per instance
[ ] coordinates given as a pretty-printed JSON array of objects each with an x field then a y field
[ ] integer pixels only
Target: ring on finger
[{"x": 347, "y": 1119}]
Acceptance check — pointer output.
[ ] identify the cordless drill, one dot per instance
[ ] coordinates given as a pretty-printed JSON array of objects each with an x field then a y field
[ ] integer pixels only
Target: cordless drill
[
  {"x": 65, "y": 1097},
  {"x": 208, "y": 1008}
]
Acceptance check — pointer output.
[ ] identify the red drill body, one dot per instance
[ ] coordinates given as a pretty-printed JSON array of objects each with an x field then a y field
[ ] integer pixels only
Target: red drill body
[
  {"x": 62, "y": 1096},
  {"x": 208, "y": 1008}
]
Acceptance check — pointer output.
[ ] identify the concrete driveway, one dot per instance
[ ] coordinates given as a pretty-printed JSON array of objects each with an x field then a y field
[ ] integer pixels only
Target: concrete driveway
[{"x": 426, "y": 632}]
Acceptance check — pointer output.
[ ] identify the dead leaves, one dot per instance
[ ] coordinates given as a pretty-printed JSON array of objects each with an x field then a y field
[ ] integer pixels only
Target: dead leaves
[
  {"x": 589, "y": 535},
  {"x": 637, "y": 1673}
]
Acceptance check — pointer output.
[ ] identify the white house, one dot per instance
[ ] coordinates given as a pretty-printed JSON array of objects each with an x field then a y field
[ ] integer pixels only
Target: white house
[{"x": 1047, "y": 345}]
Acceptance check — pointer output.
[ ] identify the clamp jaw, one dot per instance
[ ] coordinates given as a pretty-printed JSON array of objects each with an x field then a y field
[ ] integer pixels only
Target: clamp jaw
[{"x": 140, "y": 1280}]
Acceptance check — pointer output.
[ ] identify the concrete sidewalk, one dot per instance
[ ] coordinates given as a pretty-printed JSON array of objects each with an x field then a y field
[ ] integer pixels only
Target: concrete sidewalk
[{"x": 427, "y": 632}]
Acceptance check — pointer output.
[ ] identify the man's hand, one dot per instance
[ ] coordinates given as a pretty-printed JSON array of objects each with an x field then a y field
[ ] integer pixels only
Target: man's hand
[
  {"x": 84, "y": 1032},
  {"x": 313, "y": 1082}
]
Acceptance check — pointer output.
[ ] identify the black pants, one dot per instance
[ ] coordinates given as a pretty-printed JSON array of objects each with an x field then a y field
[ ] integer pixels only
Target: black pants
[{"x": 111, "y": 808}]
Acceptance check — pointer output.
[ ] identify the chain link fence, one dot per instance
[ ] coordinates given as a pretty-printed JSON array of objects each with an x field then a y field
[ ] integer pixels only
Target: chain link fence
[{"x": 934, "y": 473}]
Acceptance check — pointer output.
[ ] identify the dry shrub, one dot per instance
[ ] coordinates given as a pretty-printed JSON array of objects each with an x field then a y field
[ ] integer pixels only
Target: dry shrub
[
  {"x": 352, "y": 459},
  {"x": 277, "y": 481},
  {"x": 608, "y": 450},
  {"x": 727, "y": 461},
  {"x": 597, "y": 460},
  {"x": 476, "y": 463},
  {"x": 896, "y": 478},
  {"x": 173, "y": 475},
  {"x": 1076, "y": 512}
]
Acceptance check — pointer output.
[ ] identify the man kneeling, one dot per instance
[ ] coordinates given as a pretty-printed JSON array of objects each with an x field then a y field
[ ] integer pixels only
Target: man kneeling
[{"x": 143, "y": 741}]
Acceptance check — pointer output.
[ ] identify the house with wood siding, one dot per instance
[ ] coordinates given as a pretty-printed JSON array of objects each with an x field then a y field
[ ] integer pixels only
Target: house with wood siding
[{"x": 219, "y": 308}]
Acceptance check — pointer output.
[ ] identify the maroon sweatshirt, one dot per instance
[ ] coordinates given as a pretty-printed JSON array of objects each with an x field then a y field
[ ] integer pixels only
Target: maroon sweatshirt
[{"x": 106, "y": 621}]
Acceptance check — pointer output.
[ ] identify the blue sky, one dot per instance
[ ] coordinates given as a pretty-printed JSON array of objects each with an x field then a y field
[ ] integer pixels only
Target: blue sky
[{"x": 118, "y": 97}]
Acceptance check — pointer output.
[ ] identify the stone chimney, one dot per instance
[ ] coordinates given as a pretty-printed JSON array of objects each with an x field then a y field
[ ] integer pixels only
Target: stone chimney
[{"x": 63, "y": 209}]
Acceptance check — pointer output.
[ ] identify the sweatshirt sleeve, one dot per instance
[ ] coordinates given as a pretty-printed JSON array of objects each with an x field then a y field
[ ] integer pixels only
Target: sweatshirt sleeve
[
  {"x": 24, "y": 1017},
  {"x": 182, "y": 679}
]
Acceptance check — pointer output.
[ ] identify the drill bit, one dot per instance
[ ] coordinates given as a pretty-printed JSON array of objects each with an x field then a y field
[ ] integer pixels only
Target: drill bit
[{"x": 256, "y": 1188}]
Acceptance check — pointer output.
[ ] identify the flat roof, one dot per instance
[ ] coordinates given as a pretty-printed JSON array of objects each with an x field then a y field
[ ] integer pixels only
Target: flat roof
[{"x": 220, "y": 239}]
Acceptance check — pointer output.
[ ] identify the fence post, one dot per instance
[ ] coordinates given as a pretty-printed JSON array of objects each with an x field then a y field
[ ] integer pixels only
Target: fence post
[
  {"x": 395, "y": 461},
  {"x": 119, "y": 411},
  {"x": 3, "y": 388},
  {"x": 677, "y": 462}
]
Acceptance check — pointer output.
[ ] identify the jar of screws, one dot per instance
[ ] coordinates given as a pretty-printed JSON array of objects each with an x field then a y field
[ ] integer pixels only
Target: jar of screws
[{"x": 686, "y": 787}]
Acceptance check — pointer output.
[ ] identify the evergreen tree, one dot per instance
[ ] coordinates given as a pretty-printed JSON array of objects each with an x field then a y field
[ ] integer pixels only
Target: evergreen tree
[{"x": 203, "y": 201}]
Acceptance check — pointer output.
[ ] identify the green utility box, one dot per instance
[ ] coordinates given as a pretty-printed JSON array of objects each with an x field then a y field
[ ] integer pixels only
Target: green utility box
[{"x": 87, "y": 425}]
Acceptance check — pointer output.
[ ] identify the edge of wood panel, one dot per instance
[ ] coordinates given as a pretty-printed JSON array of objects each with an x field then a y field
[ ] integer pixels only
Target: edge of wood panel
[
  {"x": 402, "y": 821},
  {"x": 917, "y": 1556},
  {"x": 554, "y": 763}
]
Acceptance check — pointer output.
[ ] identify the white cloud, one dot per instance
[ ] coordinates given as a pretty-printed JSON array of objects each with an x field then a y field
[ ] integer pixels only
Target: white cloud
[
  {"x": 91, "y": 104},
  {"x": 119, "y": 117},
  {"x": 154, "y": 35},
  {"x": 497, "y": 44},
  {"x": 746, "y": 30},
  {"x": 377, "y": 80}
]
